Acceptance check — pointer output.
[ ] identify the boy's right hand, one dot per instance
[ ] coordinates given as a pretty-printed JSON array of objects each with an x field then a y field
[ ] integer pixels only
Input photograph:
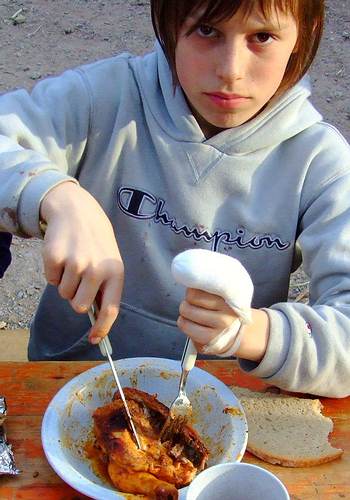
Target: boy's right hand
[{"x": 81, "y": 255}]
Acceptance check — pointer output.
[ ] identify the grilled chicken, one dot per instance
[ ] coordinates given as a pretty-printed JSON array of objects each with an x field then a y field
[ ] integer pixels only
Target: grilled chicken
[{"x": 159, "y": 469}]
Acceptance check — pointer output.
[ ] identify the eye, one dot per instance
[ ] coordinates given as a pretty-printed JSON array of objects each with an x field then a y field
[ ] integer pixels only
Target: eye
[
  {"x": 206, "y": 31},
  {"x": 263, "y": 38}
]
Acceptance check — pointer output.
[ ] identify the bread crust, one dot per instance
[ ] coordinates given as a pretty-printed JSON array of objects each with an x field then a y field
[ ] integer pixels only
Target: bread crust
[{"x": 288, "y": 462}]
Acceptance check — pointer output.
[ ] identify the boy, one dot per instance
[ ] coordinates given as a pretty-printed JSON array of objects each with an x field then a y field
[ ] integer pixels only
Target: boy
[{"x": 210, "y": 141}]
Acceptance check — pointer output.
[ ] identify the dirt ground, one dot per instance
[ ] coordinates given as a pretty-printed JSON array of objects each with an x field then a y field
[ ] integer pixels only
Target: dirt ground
[{"x": 40, "y": 38}]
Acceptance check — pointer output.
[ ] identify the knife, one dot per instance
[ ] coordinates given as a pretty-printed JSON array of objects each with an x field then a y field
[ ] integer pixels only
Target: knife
[{"x": 106, "y": 351}]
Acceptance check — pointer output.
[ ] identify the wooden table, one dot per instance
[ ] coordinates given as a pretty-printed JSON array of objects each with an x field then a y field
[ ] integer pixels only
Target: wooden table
[{"x": 29, "y": 387}]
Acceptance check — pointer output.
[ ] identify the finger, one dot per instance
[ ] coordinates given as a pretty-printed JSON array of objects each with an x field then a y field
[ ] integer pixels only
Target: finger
[
  {"x": 204, "y": 299},
  {"x": 86, "y": 292},
  {"x": 198, "y": 333},
  {"x": 199, "y": 347},
  {"x": 53, "y": 266},
  {"x": 217, "y": 320},
  {"x": 109, "y": 309},
  {"x": 69, "y": 283}
]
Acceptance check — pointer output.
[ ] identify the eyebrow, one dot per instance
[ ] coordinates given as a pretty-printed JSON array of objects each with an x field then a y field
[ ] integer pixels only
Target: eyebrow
[{"x": 268, "y": 26}]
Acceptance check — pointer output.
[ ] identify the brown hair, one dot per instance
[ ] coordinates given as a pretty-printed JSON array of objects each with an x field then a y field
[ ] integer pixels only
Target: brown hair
[{"x": 168, "y": 17}]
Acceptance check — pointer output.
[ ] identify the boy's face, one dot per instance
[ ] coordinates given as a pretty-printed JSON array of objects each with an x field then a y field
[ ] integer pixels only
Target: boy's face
[{"x": 229, "y": 71}]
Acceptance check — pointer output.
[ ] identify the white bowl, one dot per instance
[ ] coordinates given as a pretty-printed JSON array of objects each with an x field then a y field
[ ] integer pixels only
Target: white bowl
[
  {"x": 239, "y": 481},
  {"x": 67, "y": 423}
]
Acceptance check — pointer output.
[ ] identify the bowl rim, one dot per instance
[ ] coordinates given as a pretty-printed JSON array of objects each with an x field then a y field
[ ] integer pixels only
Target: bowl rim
[{"x": 239, "y": 465}]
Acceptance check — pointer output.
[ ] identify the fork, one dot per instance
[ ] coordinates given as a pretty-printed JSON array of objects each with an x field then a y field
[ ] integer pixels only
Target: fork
[{"x": 181, "y": 408}]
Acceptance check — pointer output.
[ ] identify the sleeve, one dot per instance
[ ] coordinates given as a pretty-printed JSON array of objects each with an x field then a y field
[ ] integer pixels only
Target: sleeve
[
  {"x": 5, "y": 252},
  {"x": 309, "y": 346},
  {"x": 43, "y": 136}
]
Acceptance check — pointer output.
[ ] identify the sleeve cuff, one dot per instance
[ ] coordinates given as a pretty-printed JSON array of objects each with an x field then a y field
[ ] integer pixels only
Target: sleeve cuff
[
  {"x": 277, "y": 348},
  {"x": 31, "y": 197}
]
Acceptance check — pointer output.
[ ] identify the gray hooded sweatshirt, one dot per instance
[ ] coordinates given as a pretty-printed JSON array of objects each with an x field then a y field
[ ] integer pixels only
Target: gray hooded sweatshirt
[{"x": 252, "y": 192}]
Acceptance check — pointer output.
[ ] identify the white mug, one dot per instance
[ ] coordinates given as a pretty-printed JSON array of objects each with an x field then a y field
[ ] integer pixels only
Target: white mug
[{"x": 236, "y": 481}]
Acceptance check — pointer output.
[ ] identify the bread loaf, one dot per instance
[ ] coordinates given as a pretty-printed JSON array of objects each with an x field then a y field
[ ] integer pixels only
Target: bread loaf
[{"x": 286, "y": 430}]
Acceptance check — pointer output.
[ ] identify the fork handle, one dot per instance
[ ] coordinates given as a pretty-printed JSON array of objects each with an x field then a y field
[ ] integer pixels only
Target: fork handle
[{"x": 189, "y": 356}]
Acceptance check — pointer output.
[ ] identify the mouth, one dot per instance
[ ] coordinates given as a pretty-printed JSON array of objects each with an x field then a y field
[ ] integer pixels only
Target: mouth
[{"x": 226, "y": 100}]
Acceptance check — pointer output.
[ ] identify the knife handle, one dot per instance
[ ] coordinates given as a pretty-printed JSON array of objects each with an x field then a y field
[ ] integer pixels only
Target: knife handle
[{"x": 105, "y": 344}]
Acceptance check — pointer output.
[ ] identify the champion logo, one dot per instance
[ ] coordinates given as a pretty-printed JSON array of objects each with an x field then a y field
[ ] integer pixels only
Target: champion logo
[{"x": 142, "y": 205}]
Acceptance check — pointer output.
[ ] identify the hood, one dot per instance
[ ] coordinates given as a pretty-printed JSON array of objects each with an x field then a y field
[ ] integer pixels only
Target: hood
[{"x": 283, "y": 118}]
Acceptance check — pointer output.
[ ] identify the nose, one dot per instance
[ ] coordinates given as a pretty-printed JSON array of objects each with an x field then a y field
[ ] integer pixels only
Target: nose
[{"x": 231, "y": 61}]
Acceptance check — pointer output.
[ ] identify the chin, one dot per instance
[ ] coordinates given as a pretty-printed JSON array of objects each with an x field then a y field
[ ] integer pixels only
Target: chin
[
  {"x": 227, "y": 125},
  {"x": 213, "y": 124}
]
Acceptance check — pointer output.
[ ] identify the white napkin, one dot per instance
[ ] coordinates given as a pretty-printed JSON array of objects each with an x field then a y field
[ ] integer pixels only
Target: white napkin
[{"x": 221, "y": 275}]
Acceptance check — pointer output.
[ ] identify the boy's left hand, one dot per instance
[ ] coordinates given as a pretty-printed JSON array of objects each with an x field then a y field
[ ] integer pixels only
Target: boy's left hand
[{"x": 203, "y": 316}]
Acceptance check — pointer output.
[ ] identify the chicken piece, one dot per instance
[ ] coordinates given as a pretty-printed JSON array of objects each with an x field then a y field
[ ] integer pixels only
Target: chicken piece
[
  {"x": 157, "y": 470},
  {"x": 142, "y": 483}
]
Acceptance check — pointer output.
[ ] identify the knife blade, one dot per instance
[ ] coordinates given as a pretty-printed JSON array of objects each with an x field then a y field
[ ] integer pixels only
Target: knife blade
[{"x": 106, "y": 351}]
